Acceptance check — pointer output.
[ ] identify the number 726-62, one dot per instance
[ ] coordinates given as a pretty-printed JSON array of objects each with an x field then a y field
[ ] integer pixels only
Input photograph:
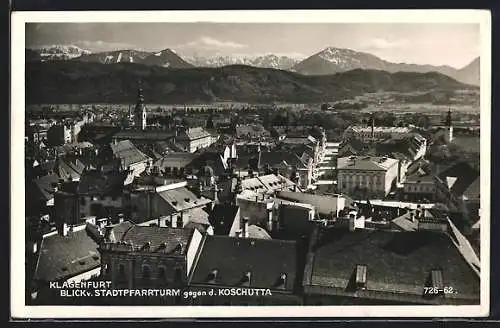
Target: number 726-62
[{"x": 435, "y": 290}]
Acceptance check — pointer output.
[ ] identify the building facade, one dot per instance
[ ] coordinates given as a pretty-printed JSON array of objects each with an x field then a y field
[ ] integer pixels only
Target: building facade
[{"x": 375, "y": 175}]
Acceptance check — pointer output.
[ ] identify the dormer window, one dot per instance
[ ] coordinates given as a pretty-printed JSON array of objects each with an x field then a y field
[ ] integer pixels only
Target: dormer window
[
  {"x": 361, "y": 277},
  {"x": 146, "y": 246},
  {"x": 212, "y": 276},
  {"x": 246, "y": 279}
]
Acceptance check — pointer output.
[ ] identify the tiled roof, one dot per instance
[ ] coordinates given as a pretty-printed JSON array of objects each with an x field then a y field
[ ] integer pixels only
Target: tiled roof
[
  {"x": 128, "y": 153},
  {"x": 156, "y": 236},
  {"x": 181, "y": 199},
  {"x": 265, "y": 183},
  {"x": 257, "y": 232},
  {"x": 194, "y": 133},
  {"x": 181, "y": 158},
  {"x": 69, "y": 168},
  {"x": 278, "y": 158},
  {"x": 398, "y": 263},
  {"x": 368, "y": 163},
  {"x": 45, "y": 185},
  {"x": 196, "y": 215},
  {"x": 234, "y": 257},
  {"x": 405, "y": 223},
  {"x": 64, "y": 257},
  {"x": 105, "y": 183}
]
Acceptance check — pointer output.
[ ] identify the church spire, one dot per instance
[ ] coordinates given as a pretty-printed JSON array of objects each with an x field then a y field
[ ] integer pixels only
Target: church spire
[
  {"x": 448, "y": 118},
  {"x": 450, "y": 126},
  {"x": 140, "y": 111}
]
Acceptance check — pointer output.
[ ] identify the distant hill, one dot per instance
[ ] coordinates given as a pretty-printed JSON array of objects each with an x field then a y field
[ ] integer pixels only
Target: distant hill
[
  {"x": 334, "y": 60},
  {"x": 470, "y": 74},
  {"x": 84, "y": 82}
]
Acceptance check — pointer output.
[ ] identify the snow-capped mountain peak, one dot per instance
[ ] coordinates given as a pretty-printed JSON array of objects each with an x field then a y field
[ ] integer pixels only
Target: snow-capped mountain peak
[
  {"x": 60, "y": 52},
  {"x": 266, "y": 61}
]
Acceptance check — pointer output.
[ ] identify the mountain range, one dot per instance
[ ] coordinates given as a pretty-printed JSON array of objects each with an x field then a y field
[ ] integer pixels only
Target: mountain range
[
  {"x": 90, "y": 82},
  {"x": 327, "y": 61},
  {"x": 333, "y": 60}
]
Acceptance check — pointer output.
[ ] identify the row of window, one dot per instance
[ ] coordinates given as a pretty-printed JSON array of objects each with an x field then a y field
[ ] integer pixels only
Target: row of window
[
  {"x": 83, "y": 200},
  {"x": 146, "y": 273},
  {"x": 376, "y": 178}
]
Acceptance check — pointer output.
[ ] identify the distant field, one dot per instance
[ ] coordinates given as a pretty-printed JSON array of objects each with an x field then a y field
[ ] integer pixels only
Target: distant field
[{"x": 469, "y": 144}]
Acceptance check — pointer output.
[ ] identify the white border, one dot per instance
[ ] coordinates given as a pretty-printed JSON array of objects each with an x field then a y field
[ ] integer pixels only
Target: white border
[{"x": 18, "y": 307}]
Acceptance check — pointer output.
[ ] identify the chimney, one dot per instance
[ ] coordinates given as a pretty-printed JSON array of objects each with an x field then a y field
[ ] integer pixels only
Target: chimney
[
  {"x": 216, "y": 191},
  {"x": 283, "y": 280},
  {"x": 120, "y": 217},
  {"x": 270, "y": 225},
  {"x": 64, "y": 229},
  {"x": 412, "y": 216},
  {"x": 245, "y": 227},
  {"x": 247, "y": 277},
  {"x": 109, "y": 235}
]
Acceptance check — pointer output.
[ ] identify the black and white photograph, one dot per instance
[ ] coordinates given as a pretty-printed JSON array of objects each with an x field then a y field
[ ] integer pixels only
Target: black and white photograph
[{"x": 251, "y": 163}]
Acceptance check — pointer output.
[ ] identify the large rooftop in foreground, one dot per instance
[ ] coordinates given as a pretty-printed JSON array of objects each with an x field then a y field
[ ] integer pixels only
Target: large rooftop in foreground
[{"x": 398, "y": 264}]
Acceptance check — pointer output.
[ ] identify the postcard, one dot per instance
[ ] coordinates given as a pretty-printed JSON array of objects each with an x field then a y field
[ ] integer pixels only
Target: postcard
[{"x": 232, "y": 164}]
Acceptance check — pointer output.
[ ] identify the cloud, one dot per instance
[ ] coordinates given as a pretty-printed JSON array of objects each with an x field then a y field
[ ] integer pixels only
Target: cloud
[
  {"x": 207, "y": 42},
  {"x": 100, "y": 45},
  {"x": 379, "y": 43}
]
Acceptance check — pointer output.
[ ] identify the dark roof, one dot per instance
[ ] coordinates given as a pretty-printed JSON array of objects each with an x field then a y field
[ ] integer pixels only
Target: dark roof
[
  {"x": 156, "y": 236},
  {"x": 214, "y": 160},
  {"x": 128, "y": 153},
  {"x": 465, "y": 174},
  {"x": 276, "y": 158},
  {"x": 45, "y": 185},
  {"x": 474, "y": 190},
  {"x": 266, "y": 260},
  {"x": 222, "y": 218},
  {"x": 69, "y": 167},
  {"x": 64, "y": 257},
  {"x": 398, "y": 263},
  {"x": 181, "y": 157},
  {"x": 193, "y": 134},
  {"x": 105, "y": 183},
  {"x": 181, "y": 199}
]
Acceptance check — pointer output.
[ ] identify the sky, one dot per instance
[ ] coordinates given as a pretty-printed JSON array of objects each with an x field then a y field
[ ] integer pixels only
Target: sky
[{"x": 455, "y": 45}]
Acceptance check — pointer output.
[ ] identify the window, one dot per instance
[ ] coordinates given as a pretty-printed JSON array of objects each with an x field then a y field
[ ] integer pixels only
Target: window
[
  {"x": 82, "y": 201},
  {"x": 162, "y": 273},
  {"x": 146, "y": 271},
  {"x": 122, "y": 277},
  {"x": 178, "y": 276}
]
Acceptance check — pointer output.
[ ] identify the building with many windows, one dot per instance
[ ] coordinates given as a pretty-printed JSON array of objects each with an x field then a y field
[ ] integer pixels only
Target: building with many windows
[
  {"x": 375, "y": 133},
  {"x": 373, "y": 175}
]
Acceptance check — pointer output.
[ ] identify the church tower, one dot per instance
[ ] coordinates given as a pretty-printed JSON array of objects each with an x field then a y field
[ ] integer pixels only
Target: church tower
[
  {"x": 449, "y": 125},
  {"x": 140, "y": 112}
]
